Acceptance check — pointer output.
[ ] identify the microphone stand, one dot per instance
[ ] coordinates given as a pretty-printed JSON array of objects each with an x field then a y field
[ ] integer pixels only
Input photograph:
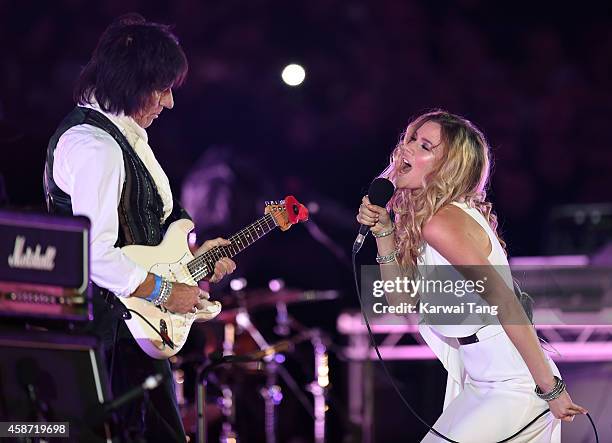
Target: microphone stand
[{"x": 97, "y": 416}]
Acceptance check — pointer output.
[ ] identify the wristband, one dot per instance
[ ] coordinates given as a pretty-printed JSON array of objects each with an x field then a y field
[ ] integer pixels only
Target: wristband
[{"x": 156, "y": 290}]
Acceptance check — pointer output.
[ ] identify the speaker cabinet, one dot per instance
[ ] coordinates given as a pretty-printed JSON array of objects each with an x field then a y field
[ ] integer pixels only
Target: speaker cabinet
[{"x": 53, "y": 377}]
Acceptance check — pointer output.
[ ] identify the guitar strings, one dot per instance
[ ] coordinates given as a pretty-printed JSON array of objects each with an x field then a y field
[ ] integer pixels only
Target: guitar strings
[
  {"x": 222, "y": 251},
  {"x": 236, "y": 236},
  {"x": 238, "y": 240},
  {"x": 252, "y": 231}
]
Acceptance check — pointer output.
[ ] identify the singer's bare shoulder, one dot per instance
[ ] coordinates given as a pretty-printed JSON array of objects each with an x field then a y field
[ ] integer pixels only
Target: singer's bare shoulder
[{"x": 457, "y": 236}]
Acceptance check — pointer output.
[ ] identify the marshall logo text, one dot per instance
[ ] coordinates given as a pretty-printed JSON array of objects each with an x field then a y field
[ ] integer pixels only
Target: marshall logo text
[{"x": 29, "y": 259}]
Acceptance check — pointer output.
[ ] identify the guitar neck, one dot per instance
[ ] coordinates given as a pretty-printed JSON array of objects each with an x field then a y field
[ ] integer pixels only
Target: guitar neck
[{"x": 204, "y": 265}]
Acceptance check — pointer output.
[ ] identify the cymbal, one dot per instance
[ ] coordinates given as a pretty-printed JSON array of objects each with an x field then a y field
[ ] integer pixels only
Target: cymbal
[{"x": 264, "y": 298}]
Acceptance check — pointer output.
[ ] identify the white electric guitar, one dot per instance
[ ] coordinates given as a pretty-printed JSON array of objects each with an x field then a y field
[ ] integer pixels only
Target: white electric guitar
[{"x": 161, "y": 333}]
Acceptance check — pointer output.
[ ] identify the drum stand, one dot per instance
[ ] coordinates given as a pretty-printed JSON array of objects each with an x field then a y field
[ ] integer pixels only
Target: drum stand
[
  {"x": 228, "y": 408},
  {"x": 271, "y": 392},
  {"x": 318, "y": 387}
]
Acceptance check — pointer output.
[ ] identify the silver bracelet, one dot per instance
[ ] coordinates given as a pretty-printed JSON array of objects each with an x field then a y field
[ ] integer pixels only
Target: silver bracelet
[
  {"x": 554, "y": 393},
  {"x": 164, "y": 292},
  {"x": 384, "y": 233},
  {"x": 384, "y": 259}
]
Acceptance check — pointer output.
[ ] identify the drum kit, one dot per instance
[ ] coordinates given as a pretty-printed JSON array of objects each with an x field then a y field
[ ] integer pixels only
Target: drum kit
[{"x": 237, "y": 352}]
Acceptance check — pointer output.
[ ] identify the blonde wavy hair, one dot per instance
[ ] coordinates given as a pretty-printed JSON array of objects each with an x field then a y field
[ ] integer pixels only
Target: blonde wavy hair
[{"x": 461, "y": 174}]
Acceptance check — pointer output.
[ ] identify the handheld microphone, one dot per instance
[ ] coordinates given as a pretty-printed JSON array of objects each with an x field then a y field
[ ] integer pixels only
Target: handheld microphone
[{"x": 380, "y": 192}]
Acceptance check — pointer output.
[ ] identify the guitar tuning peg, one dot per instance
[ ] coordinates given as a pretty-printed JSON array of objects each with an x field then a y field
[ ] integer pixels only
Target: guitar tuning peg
[{"x": 267, "y": 203}]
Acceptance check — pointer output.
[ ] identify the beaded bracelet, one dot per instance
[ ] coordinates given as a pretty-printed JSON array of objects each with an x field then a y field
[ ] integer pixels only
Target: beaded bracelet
[
  {"x": 384, "y": 259},
  {"x": 554, "y": 393},
  {"x": 385, "y": 233},
  {"x": 164, "y": 293},
  {"x": 155, "y": 294}
]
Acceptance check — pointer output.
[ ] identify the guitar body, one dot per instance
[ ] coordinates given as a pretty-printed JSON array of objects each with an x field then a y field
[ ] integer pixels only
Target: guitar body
[
  {"x": 169, "y": 260},
  {"x": 161, "y": 333}
]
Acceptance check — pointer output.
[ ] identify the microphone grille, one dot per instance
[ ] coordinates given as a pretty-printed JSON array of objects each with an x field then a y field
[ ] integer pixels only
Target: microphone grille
[{"x": 380, "y": 191}]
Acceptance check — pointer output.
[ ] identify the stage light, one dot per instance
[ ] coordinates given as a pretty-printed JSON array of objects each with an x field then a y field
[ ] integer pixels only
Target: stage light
[
  {"x": 276, "y": 284},
  {"x": 238, "y": 284},
  {"x": 313, "y": 207},
  {"x": 293, "y": 75}
]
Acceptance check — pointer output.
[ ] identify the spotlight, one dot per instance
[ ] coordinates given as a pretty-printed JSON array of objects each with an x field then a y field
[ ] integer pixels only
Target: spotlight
[{"x": 293, "y": 75}]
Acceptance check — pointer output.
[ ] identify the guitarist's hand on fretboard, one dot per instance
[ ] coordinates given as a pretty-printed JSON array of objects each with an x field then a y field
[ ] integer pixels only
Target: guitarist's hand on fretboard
[{"x": 224, "y": 266}]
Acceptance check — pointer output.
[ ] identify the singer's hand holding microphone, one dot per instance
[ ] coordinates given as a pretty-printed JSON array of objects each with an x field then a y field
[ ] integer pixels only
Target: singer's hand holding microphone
[
  {"x": 376, "y": 217},
  {"x": 372, "y": 214}
]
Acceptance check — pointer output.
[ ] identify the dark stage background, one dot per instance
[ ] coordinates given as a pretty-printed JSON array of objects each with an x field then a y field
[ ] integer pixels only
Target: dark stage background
[{"x": 534, "y": 76}]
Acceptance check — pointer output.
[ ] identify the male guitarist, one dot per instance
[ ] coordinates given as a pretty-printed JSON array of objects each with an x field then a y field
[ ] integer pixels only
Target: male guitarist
[{"x": 99, "y": 164}]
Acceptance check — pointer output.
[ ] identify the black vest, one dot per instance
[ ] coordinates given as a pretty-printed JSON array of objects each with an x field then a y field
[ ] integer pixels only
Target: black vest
[{"x": 140, "y": 208}]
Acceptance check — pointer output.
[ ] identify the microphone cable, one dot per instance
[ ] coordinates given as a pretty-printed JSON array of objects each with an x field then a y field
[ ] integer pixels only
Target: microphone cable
[{"x": 399, "y": 393}]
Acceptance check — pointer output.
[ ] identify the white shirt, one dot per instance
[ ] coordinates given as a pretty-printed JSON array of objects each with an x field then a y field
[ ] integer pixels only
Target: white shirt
[{"x": 88, "y": 166}]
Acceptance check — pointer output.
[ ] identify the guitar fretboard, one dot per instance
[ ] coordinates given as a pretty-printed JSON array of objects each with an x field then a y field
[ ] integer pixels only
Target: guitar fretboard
[{"x": 204, "y": 265}]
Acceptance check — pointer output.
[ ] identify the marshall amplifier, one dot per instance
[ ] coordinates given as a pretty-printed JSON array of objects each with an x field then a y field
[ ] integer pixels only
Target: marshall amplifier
[{"x": 44, "y": 266}]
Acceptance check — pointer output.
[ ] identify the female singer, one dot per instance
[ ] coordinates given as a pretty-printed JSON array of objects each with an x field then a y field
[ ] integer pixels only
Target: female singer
[{"x": 441, "y": 169}]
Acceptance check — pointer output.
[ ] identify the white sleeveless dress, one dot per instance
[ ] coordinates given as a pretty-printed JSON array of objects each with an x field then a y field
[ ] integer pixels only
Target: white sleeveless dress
[{"x": 489, "y": 390}]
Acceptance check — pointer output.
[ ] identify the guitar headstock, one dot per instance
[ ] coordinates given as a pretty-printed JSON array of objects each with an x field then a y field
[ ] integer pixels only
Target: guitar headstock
[{"x": 287, "y": 212}]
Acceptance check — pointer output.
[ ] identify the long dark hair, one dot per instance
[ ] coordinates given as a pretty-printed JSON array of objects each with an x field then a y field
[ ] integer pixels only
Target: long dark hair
[{"x": 133, "y": 59}]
